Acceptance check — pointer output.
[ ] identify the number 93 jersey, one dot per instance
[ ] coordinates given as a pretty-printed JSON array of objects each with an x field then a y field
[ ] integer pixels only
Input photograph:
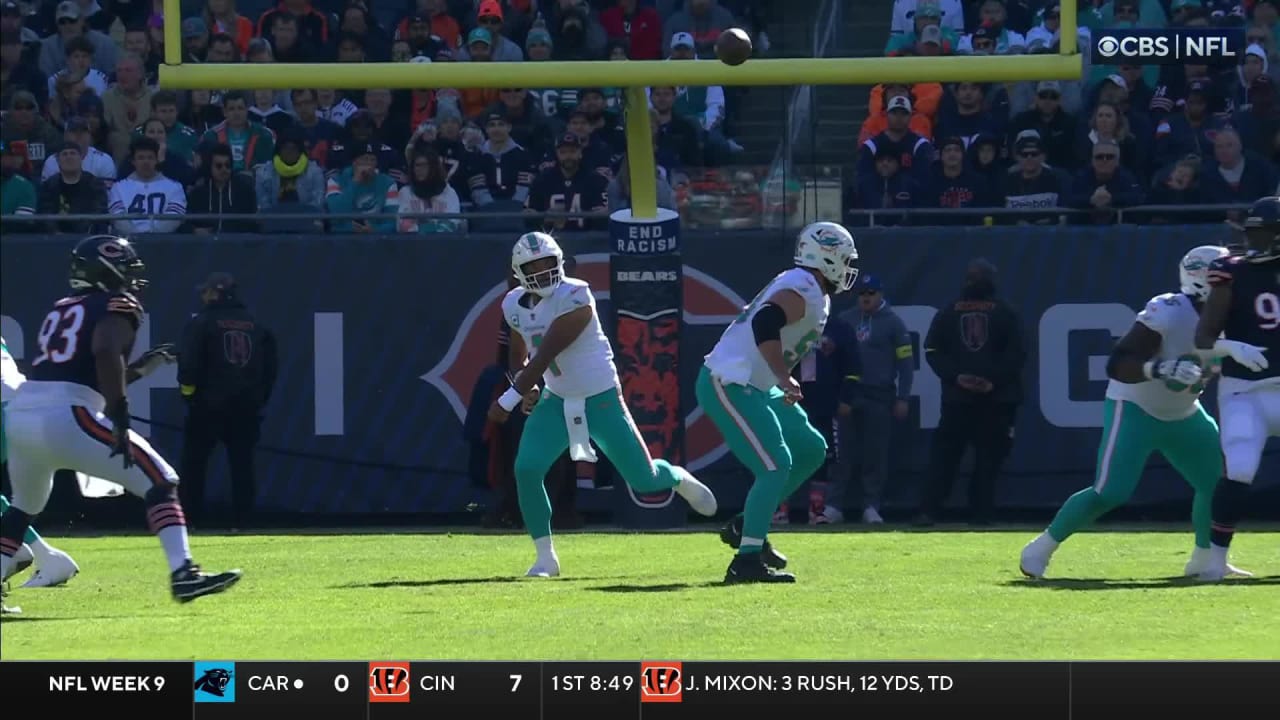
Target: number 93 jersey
[
  {"x": 583, "y": 369},
  {"x": 736, "y": 359},
  {"x": 65, "y": 338},
  {"x": 1174, "y": 318},
  {"x": 10, "y": 376},
  {"x": 1254, "y": 316}
]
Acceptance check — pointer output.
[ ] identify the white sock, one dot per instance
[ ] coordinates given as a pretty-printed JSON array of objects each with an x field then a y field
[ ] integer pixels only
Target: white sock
[
  {"x": 41, "y": 551},
  {"x": 1218, "y": 552},
  {"x": 544, "y": 547},
  {"x": 24, "y": 554},
  {"x": 1046, "y": 541},
  {"x": 174, "y": 541},
  {"x": 5, "y": 563}
]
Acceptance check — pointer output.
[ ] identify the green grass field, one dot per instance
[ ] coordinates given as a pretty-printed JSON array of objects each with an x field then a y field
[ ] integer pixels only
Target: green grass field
[{"x": 861, "y": 595}]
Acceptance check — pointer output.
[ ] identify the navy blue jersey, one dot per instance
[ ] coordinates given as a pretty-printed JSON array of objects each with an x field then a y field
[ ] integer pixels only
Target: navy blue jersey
[
  {"x": 505, "y": 176},
  {"x": 1254, "y": 316},
  {"x": 66, "y": 336},
  {"x": 584, "y": 192}
]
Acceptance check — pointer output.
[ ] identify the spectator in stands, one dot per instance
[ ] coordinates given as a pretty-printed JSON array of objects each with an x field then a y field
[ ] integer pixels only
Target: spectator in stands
[
  {"x": 391, "y": 128},
  {"x": 497, "y": 47},
  {"x": 529, "y": 127},
  {"x": 268, "y": 113},
  {"x": 676, "y": 134},
  {"x": 171, "y": 165},
  {"x": 448, "y": 143},
  {"x": 1180, "y": 12},
  {"x": 334, "y": 106},
  {"x": 146, "y": 191},
  {"x": 286, "y": 41},
  {"x": 1175, "y": 81},
  {"x": 1259, "y": 123},
  {"x": 72, "y": 191},
  {"x": 703, "y": 105},
  {"x": 704, "y": 20},
  {"x": 251, "y": 143},
  {"x": 138, "y": 42},
  {"x": 427, "y": 193},
  {"x": 619, "y": 190},
  {"x": 314, "y": 26},
  {"x": 1105, "y": 185},
  {"x": 1109, "y": 124},
  {"x": 568, "y": 187},
  {"x": 291, "y": 179},
  {"x": 538, "y": 45},
  {"x": 1178, "y": 185},
  {"x": 915, "y": 154},
  {"x": 596, "y": 155},
  {"x": 952, "y": 184},
  {"x": 126, "y": 105},
  {"x": 967, "y": 112},
  {"x": 11, "y": 20},
  {"x": 1189, "y": 132},
  {"x": 578, "y": 36},
  {"x": 430, "y": 22},
  {"x": 90, "y": 107},
  {"x": 79, "y": 68},
  {"x": 916, "y": 23},
  {"x": 351, "y": 49},
  {"x": 202, "y": 114},
  {"x": 1235, "y": 174},
  {"x": 362, "y": 189},
  {"x": 1029, "y": 184},
  {"x": 71, "y": 25},
  {"x": 17, "y": 194},
  {"x": 605, "y": 125},
  {"x": 94, "y": 161},
  {"x": 1138, "y": 93},
  {"x": 503, "y": 171},
  {"x": 987, "y": 157},
  {"x": 890, "y": 187},
  {"x": 222, "y": 49},
  {"x": 1125, "y": 15},
  {"x": 358, "y": 134},
  {"x": 638, "y": 27},
  {"x": 1056, "y": 128},
  {"x": 23, "y": 123},
  {"x": 479, "y": 49},
  {"x": 357, "y": 20},
  {"x": 401, "y": 52},
  {"x": 195, "y": 40},
  {"x": 912, "y": 15},
  {"x": 1254, "y": 66},
  {"x": 16, "y": 74},
  {"x": 992, "y": 37},
  {"x": 923, "y": 99},
  {"x": 223, "y": 191},
  {"x": 221, "y": 17},
  {"x": 65, "y": 98}
]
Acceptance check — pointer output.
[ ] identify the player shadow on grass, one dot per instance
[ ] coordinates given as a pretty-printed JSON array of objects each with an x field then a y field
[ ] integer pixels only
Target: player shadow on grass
[
  {"x": 35, "y": 618},
  {"x": 1133, "y": 583},
  {"x": 662, "y": 587},
  {"x": 442, "y": 582}
]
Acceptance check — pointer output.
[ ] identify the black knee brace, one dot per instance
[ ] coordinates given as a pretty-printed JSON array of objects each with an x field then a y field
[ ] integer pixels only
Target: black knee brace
[{"x": 160, "y": 494}]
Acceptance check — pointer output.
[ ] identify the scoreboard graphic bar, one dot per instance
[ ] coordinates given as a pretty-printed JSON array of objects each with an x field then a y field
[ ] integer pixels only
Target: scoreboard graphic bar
[{"x": 649, "y": 690}]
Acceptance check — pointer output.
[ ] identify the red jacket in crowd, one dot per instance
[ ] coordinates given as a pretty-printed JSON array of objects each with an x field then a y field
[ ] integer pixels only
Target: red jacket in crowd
[{"x": 645, "y": 37}]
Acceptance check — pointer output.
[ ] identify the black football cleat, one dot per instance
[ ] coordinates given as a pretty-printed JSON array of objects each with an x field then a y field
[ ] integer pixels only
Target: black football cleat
[
  {"x": 750, "y": 568},
  {"x": 190, "y": 582},
  {"x": 731, "y": 535}
]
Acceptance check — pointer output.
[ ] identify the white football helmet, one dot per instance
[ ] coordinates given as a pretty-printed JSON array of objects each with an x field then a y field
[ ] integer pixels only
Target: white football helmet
[
  {"x": 1194, "y": 270},
  {"x": 537, "y": 246},
  {"x": 828, "y": 248}
]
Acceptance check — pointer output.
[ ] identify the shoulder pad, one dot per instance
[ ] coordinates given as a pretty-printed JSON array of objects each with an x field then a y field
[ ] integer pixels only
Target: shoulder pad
[
  {"x": 1222, "y": 270},
  {"x": 576, "y": 293},
  {"x": 125, "y": 305}
]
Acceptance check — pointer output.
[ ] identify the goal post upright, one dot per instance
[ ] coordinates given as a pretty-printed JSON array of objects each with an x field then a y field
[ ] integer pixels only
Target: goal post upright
[{"x": 634, "y": 76}]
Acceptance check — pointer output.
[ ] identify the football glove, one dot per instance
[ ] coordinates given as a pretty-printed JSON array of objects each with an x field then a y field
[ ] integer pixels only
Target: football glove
[
  {"x": 1180, "y": 371},
  {"x": 151, "y": 360},
  {"x": 1250, "y": 356}
]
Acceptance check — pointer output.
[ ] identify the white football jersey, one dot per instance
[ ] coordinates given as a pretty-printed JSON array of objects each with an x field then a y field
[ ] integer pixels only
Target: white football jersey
[
  {"x": 1173, "y": 316},
  {"x": 583, "y": 369},
  {"x": 10, "y": 376},
  {"x": 157, "y": 196},
  {"x": 737, "y": 361}
]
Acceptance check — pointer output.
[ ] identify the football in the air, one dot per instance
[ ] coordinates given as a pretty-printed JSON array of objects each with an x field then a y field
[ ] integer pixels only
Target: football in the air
[{"x": 733, "y": 47}]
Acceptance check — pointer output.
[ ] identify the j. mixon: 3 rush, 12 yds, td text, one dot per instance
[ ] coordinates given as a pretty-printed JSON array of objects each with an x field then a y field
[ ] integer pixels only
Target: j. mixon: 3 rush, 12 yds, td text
[{"x": 809, "y": 682}]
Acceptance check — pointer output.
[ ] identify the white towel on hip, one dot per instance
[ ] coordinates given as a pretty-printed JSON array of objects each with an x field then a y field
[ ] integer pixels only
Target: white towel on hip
[{"x": 575, "y": 419}]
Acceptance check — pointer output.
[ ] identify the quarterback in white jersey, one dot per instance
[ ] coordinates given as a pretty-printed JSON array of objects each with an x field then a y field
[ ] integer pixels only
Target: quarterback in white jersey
[
  {"x": 53, "y": 566},
  {"x": 746, "y": 388},
  {"x": 554, "y": 318},
  {"x": 1152, "y": 404}
]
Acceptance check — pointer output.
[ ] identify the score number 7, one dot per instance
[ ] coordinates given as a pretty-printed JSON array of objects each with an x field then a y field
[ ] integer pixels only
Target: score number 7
[{"x": 515, "y": 682}]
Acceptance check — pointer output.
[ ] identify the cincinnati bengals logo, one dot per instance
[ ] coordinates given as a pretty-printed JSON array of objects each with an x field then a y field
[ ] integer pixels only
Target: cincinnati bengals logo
[
  {"x": 709, "y": 306},
  {"x": 214, "y": 682},
  {"x": 661, "y": 682},
  {"x": 388, "y": 682}
]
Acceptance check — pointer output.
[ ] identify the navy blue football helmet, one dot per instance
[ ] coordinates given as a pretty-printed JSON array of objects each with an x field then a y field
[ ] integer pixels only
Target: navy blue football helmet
[{"x": 1262, "y": 229}]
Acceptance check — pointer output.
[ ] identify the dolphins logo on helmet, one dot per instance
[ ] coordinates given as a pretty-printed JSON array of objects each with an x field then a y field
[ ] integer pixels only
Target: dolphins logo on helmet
[
  {"x": 531, "y": 248},
  {"x": 829, "y": 248},
  {"x": 1194, "y": 270}
]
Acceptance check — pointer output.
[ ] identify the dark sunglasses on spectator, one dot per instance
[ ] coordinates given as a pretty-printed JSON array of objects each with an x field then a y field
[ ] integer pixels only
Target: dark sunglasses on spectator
[
  {"x": 1031, "y": 153},
  {"x": 1104, "y": 156},
  {"x": 67, "y": 21},
  {"x": 1049, "y": 95}
]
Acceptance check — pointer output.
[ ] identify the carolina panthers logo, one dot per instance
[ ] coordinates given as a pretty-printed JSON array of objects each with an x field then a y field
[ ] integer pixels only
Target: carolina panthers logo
[{"x": 214, "y": 682}]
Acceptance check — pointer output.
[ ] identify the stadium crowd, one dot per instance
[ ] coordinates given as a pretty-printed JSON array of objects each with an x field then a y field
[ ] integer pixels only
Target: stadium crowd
[
  {"x": 86, "y": 130},
  {"x": 1122, "y": 136}
]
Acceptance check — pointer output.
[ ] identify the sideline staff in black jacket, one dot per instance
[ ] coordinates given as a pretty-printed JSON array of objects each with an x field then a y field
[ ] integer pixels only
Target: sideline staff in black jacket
[
  {"x": 975, "y": 347},
  {"x": 226, "y": 370}
]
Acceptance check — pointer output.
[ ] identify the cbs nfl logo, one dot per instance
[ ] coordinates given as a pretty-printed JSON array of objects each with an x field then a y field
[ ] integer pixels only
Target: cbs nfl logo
[{"x": 1183, "y": 46}]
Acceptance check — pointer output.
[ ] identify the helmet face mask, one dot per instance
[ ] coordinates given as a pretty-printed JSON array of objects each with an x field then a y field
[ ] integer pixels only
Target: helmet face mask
[
  {"x": 1193, "y": 270},
  {"x": 537, "y": 262},
  {"x": 107, "y": 263},
  {"x": 829, "y": 249}
]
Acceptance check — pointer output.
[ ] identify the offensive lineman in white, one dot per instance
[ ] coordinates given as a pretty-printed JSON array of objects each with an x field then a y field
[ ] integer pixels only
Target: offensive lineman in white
[
  {"x": 746, "y": 388},
  {"x": 1153, "y": 404},
  {"x": 53, "y": 566},
  {"x": 555, "y": 317}
]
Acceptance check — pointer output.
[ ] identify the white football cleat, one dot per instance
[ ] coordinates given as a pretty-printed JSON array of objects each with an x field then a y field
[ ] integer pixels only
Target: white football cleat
[
  {"x": 7, "y": 610},
  {"x": 699, "y": 496},
  {"x": 20, "y": 561},
  {"x": 1035, "y": 559},
  {"x": 54, "y": 569},
  {"x": 547, "y": 567},
  {"x": 1202, "y": 561}
]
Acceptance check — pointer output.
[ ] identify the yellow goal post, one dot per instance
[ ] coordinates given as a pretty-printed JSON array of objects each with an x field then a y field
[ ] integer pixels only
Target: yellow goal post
[{"x": 634, "y": 76}]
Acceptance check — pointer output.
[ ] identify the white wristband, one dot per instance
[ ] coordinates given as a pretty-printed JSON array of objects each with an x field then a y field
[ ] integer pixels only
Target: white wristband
[
  {"x": 510, "y": 399},
  {"x": 1149, "y": 369}
]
